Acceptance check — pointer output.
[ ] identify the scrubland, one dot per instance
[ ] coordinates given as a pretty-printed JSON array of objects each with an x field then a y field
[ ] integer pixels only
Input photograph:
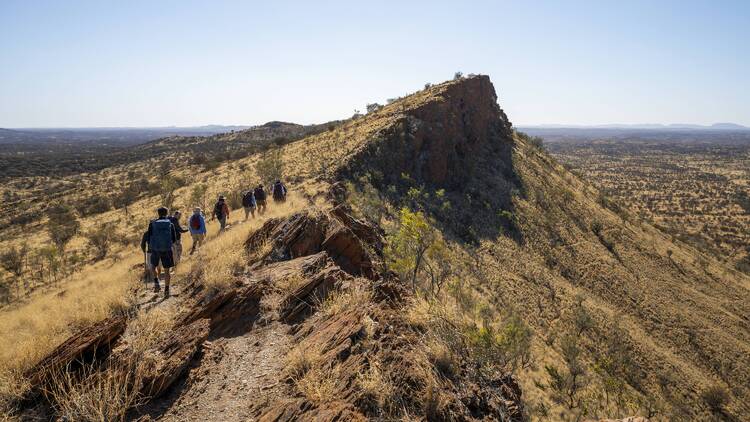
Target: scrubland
[{"x": 523, "y": 269}]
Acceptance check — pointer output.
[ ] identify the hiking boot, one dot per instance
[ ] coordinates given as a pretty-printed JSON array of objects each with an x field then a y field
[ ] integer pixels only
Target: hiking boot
[
  {"x": 166, "y": 292},
  {"x": 157, "y": 287}
]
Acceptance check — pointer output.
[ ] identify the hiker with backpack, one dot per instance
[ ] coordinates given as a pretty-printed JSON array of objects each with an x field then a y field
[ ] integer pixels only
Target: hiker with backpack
[
  {"x": 160, "y": 236},
  {"x": 177, "y": 246},
  {"x": 278, "y": 191},
  {"x": 260, "y": 199},
  {"x": 197, "y": 225},
  {"x": 221, "y": 212},
  {"x": 248, "y": 203}
]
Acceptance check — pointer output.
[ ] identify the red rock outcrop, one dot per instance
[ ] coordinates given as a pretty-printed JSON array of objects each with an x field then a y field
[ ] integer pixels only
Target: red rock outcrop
[{"x": 438, "y": 140}]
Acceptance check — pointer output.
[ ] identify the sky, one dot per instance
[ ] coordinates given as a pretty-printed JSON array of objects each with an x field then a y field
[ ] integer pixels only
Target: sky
[{"x": 186, "y": 63}]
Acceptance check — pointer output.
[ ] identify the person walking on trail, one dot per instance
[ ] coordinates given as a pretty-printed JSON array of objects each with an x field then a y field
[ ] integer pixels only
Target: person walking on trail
[
  {"x": 197, "y": 225},
  {"x": 221, "y": 212},
  {"x": 260, "y": 199},
  {"x": 278, "y": 192},
  {"x": 160, "y": 237},
  {"x": 177, "y": 246},
  {"x": 248, "y": 203}
]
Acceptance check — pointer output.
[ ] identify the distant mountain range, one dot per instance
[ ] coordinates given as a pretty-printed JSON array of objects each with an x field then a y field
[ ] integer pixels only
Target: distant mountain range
[
  {"x": 647, "y": 126},
  {"x": 113, "y": 135}
]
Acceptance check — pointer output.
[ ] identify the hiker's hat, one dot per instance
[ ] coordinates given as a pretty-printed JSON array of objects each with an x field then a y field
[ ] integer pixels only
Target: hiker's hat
[
  {"x": 221, "y": 197},
  {"x": 197, "y": 210}
]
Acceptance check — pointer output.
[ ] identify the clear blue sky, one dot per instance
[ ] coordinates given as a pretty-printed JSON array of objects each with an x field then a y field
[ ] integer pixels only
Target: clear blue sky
[{"x": 153, "y": 63}]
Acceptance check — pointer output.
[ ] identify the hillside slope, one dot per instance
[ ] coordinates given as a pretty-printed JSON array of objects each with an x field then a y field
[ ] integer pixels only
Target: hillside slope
[
  {"x": 661, "y": 321},
  {"x": 319, "y": 321}
]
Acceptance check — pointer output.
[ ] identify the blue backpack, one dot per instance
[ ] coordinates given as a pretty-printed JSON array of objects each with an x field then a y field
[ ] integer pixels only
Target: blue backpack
[{"x": 161, "y": 236}]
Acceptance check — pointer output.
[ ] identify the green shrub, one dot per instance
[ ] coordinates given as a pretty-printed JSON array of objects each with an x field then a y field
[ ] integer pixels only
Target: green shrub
[
  {"x": 270, "y": 167},
  {"x": 62, "y": 226},
  {"x": 99, "y": 239}
]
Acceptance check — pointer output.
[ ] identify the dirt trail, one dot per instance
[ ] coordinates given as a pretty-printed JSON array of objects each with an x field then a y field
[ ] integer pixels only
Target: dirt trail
[{"x": 234, "y": 377}]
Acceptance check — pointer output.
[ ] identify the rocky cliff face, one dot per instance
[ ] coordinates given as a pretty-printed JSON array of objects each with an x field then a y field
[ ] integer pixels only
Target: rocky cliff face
[{"x": 439, "y": 134}]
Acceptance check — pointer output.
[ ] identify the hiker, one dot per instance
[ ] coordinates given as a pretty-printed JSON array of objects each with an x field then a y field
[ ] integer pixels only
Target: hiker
[
  {"x": 278, "y": 192},
  {"x": 221, "y": 212},
  {"x": 177, "y": 246},
  {"x": 248, "y": 203},
  {"x": 197, "y": 225},
  {"x": 160, "y": 237},
  {"x": 260, "y": 199}
]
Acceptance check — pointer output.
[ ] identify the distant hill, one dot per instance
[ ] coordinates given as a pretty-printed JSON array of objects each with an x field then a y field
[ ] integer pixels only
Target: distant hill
[
  {"x": 648, "y": 126},
  {"x": 116, "y": 136}
]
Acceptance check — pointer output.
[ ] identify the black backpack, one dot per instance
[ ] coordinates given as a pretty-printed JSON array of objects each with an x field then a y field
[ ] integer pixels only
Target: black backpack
[
  {"x": 161, "y": 235},
  {"x": 278, "y": 191},
  {"x": 260, "y": 194},
  {"x": 247, "y": 199},
  {"x": 219, "y": 209}
]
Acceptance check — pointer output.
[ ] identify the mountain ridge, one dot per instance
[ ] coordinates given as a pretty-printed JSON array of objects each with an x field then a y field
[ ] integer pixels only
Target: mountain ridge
[{"x": 531, "y": 271}]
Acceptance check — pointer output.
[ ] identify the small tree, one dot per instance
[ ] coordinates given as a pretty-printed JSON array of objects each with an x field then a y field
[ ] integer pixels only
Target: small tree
[
  {"x": 127, "y": 196},
  {"x": 167, "y": 187},
  {"x": 13, "y": 260},
  {"x": 409, "y": 245},
  {"x": 582, "y": 320},
  {"x": 199, "y": 196},
  {"x": 62, "y": 226},
  {"x": 270, "y": 167},
  {"x": 457, "y": 76},
  {"x": 566, "y": 384},
  {"x": 51, "y": 255},
  {"x": 100, "y": 239}
]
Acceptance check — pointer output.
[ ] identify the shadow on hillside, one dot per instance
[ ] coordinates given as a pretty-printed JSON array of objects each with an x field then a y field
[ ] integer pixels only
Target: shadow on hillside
[
  {"x": 481, "y": 204},
  {"x": 475, "y": 206}
]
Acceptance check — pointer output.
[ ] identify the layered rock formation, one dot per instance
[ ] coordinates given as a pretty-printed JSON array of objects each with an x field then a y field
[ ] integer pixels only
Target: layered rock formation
[{"x": 329, "y": 253}]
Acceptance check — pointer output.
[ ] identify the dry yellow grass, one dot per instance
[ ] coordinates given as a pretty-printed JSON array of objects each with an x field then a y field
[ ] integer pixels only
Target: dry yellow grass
[
  {"x": 300, "y": 360},
  {"x": 356, "y": 297},
  {"x": 92, "y": 395},
  {"x": 30, "y": 330},
  {"x": 377, "y": 386},
  {"x": 223, "y": 255},
  {"x": 318, "y": 385},
  {"x": 147, "y": 329}
]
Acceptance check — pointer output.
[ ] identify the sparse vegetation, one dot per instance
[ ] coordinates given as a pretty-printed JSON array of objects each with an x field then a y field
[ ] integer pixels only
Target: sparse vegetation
[
  {"x": 716, "y": 398},
  {"x": 100, "y": 239},
  {"x": 417, "y": 247},
  {"x": 270, "y": 166}
]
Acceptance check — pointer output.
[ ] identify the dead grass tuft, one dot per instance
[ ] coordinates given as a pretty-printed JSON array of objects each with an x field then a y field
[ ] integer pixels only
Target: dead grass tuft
[
  {"x": 377, "y": 385},
  {"x": 291, "y": 283},
  {"x": 299, "y": 361},
  {"x": 318, "y": 385},
  {"x": 12, "y": 388},
  {"x": 147, "y": 329},
  {"x": 357, "y": 297},
  {"x": 95, "y": 395}
]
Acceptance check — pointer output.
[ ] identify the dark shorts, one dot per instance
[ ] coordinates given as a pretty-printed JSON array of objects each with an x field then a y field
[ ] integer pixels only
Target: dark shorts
[{"x": 166, "y": 259}]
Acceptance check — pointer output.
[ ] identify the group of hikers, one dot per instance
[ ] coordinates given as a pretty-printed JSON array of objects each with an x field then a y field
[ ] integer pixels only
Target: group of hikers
[{"x": 161, "y": 243}]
